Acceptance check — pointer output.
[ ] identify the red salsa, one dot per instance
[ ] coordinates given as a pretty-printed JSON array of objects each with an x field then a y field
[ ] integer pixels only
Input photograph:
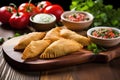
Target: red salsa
[
  {"x": 77, "y": 17},
  {"x": 105, "y": 33}
]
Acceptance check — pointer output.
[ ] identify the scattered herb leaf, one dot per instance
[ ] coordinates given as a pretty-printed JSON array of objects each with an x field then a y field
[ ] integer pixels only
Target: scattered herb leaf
[
  {"x": 95, "y": 48},
  {"x": 9, "y": 38},
  {"x": 17, "y": 34},
  {"x": 1, "y": 40}
]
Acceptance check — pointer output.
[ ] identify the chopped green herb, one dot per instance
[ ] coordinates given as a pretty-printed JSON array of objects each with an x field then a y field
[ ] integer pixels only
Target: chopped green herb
[
  {"x": 95, "y": 48},
  {"x": 17, "y": 34},
  {"x": 1, "y": 40},
  {"x": 9, "y": 37}
]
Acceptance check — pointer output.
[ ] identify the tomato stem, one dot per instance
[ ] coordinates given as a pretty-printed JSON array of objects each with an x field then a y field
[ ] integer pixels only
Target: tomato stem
[
  {"x": 29, "y": 2},
  {"x": 28, "y": 7},
  {"x": 12, "y": 4},
  {"x": 9, "y": 9}
]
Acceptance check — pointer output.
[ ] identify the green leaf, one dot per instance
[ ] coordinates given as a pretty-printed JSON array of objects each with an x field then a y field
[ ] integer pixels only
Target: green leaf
[
  {"x": 89, "y": 47},
  {"x": 93, "y": 45},
  {"x": 17, "y": 34},
  {"x": 114, "y": 22},
  {"x": 109, "y": 7},
  {"x": 95, "y": 48},
  {"x": 74, "y": 2},
  {"x": 97, "y": 23},
  {"x": 84, "y": 8},
  {"x": 96, "y": 51},
  {"x": 1, "y": 40},
  {"x": 90, "y": 3}
]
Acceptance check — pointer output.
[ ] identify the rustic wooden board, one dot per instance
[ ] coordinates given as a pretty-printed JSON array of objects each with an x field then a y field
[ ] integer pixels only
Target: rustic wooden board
[{"x": 36, "y": 64}]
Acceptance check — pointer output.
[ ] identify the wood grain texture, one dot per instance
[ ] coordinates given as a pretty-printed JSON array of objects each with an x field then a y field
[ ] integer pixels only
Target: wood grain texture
[{"x": 87, "y": 71}]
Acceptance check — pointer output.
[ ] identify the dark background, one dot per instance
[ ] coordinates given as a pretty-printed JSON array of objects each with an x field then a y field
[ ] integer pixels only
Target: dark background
[{"x": 64, "y": 3}]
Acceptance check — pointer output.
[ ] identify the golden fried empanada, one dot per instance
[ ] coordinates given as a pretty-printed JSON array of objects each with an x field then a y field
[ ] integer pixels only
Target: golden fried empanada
[
  {"x": 35, "y": 48},
  {"x": 53, "y": 34},
  {"x": 61, "y": 47},
  {"x": 68, "y": 34},
  {"x": 28, "y": 38}
]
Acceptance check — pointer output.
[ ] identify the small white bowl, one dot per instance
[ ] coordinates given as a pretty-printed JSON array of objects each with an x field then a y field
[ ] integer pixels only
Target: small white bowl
[
  {"x": 101, "y": 41},
  {"x": 81, "y": 25},
  {"x": 37, "y": 21}
]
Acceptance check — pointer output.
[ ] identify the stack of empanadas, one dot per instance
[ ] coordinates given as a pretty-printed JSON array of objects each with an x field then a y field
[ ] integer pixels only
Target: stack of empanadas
[{"x": 55, "y": 43}]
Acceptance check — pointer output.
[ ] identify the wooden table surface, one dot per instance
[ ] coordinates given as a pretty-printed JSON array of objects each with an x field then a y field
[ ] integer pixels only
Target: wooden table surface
[{"x": 86, "y": 71}]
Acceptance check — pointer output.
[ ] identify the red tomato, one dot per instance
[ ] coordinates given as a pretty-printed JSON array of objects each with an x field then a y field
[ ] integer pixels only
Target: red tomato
[
  {"x": 43, "y": 4},
  {"x": 29, "y": 8},
  {"x": 5, "y": 14},
  {"x": 56, "y": 9},
  {"x": 19, "y": 20}
]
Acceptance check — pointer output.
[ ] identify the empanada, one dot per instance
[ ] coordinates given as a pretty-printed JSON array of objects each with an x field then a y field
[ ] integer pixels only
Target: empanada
[
  {"x": 28, "y": 38},
  {"x": 68, "y": 34},
  {"x": 53, "y": 34},
  {"x": 61, "y": 47},
  {"x": 35, "y": 48}
]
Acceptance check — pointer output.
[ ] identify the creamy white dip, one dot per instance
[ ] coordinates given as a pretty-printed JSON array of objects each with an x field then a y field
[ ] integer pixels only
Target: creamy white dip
[{"x": 43, "y": 18}]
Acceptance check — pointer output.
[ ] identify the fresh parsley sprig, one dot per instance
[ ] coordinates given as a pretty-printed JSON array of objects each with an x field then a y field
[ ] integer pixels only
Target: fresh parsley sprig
[
  {"x": 1, "y": 40},
  {"x": 95, "y": 48},
  {"x": 15, "y": 35}
]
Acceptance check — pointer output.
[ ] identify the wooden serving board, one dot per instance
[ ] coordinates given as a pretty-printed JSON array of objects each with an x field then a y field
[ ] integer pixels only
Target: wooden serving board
[{"x": 36, "y": 64}]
